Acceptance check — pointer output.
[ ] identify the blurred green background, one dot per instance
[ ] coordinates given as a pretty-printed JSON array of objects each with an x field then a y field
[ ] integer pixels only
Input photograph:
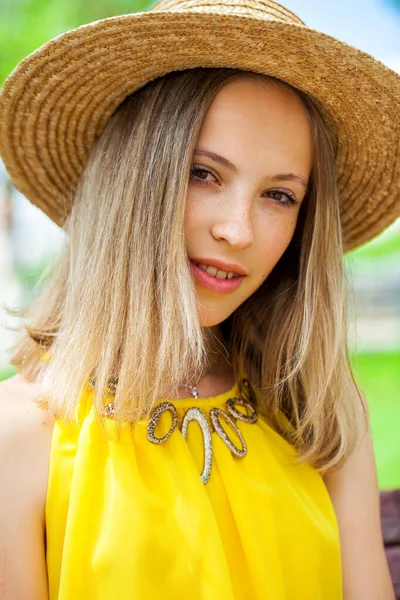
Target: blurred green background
[{"x": 374, "y": 269}]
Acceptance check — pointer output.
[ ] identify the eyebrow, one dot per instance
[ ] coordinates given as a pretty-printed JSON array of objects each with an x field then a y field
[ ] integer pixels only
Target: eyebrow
[{"x": 227, "y": 163}]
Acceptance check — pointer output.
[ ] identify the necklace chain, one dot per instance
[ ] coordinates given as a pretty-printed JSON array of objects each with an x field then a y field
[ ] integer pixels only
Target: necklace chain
[
  {"x": 244, "y": 386},
  {"x": 193, "y": 389}
]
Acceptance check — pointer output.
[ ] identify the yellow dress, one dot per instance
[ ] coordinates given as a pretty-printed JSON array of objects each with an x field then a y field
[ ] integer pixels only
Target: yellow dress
[{"x": 133, "y": 519}]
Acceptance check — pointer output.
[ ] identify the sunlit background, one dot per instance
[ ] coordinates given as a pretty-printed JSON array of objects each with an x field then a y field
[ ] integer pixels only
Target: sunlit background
[{"x": 28, "y": 239}]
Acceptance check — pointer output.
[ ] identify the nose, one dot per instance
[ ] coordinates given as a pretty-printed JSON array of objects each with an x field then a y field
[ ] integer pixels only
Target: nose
[{"x": 234, "y": 224}]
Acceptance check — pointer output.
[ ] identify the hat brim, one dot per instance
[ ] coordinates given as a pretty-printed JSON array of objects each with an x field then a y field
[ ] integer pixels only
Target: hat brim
[{"x": 57, "y": 101}]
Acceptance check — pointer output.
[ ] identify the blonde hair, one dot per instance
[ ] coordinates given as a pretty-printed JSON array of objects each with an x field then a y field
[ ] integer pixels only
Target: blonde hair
[{"x": 120, "y": 300}]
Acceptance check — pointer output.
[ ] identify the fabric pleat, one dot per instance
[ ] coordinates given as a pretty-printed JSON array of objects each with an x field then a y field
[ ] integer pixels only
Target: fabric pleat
[{"x": 130, "y": 519}]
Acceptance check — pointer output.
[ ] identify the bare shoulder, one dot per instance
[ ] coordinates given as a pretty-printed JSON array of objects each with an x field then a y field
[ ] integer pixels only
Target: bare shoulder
[
  {"x": 25, "y": 435},
  {"x": 18, "y": 401},
  {"x": 25, "y": 438},
  {"x": 355, "y": 497},
  {"x": 24, "y": 426}
]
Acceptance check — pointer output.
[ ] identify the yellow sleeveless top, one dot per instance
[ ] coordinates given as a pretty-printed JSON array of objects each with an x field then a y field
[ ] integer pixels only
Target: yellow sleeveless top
[{"x": 132, "y": 519}]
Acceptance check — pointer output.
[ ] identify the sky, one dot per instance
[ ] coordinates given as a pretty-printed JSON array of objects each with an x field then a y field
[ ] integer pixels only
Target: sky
[{"x": 371, "y": 25}]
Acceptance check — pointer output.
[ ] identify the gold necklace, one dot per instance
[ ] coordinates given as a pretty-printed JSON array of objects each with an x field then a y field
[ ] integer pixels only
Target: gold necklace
[
  {"x": 247, "y": 400},
  {"x": 231, "y": 414}
]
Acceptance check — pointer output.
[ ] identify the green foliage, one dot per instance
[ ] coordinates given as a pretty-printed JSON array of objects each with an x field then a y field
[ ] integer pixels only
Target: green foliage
[
  {"x": 27, "y": 24},
  {"x": 378, "y": 376},
  {"x": 383, "y": 249},
  {"x": 7, "y": 371},
  {"x": 29, "y": 274}
]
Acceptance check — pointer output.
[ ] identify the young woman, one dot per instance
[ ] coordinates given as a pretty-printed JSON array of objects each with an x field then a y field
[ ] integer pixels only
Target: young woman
[{"x": 209, "y": 164}]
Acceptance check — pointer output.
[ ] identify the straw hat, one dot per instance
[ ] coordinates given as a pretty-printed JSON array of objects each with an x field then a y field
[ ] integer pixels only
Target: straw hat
[{"x": 56, "y": 102}]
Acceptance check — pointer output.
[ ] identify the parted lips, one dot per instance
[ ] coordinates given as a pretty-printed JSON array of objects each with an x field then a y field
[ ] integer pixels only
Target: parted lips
[{"x": 57, "y": 100}]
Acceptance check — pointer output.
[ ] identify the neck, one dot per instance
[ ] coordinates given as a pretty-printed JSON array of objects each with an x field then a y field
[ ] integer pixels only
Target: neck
[
  {"x": 218, "y": 373},
  {"x": 217, "y": 351}
]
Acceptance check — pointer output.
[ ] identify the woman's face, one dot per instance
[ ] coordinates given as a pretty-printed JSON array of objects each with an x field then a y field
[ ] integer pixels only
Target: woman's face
[{"x": 249, "y": 176}]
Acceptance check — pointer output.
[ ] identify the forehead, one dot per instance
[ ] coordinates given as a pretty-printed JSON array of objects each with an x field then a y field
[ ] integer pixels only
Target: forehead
[{"x": 260, "y": 120}]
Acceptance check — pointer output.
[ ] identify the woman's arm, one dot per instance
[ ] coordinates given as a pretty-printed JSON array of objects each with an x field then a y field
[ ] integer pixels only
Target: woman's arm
[
  {"x": 355, "y": 497},
  {"x": 25, "y": 433}
]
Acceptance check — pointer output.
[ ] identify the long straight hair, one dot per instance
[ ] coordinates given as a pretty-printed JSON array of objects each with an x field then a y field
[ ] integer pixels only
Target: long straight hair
[{"x": 120, "y": 303}]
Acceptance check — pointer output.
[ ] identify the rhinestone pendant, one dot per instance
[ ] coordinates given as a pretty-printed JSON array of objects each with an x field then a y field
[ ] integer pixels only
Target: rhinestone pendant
[
  {"x": 195, "y": 414},
  {"x": 247, "y": 399},
  {"x": 236, "y": 414},
  {"x": 154, "y": 418},
  {"x": 215, "y": 414}
]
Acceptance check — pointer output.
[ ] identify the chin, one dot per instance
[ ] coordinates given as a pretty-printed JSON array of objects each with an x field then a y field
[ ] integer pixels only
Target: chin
[
  {"x": 210, "y": 323},
  {"x": 210, "y": 317}
]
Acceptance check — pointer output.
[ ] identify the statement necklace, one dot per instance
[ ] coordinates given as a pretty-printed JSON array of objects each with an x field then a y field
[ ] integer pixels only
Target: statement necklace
[
  {"x": 246, "y": 399},
  {"x": 231, "y": 414}
]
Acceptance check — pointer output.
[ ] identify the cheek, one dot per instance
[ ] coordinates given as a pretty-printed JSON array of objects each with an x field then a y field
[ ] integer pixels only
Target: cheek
[
  {"x": 195, "y": 214},
  {"x": 275, "y": 232},
  {"x": 273, "y": 239}
]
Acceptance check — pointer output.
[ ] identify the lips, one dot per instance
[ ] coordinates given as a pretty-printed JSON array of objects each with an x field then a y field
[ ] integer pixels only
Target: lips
[
  {"x": 214, "y": 284},
  {"x": 218, "y": 273},
  {"x": 219, "y": 264}
]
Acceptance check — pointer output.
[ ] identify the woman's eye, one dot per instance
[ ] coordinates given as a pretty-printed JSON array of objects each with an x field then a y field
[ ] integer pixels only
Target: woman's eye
[
  {"x": 200, "y": 174},
  {"x": 204, "y": 176},
  {"x": 281, "y": 197}
]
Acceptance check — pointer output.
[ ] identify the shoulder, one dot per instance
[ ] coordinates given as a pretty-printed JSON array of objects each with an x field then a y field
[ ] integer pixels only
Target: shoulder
[
  {"x": 25, "y": 438},
  {"x": 24, "y": 426},
  {"x": 25, "y": 434},
  {"x": 18, "y": 401},
  {"x": 354, "y": 492}
]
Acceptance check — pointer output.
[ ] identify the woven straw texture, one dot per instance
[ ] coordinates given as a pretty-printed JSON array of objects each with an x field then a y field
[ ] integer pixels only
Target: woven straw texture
[{"x": 58, "y": 99}]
